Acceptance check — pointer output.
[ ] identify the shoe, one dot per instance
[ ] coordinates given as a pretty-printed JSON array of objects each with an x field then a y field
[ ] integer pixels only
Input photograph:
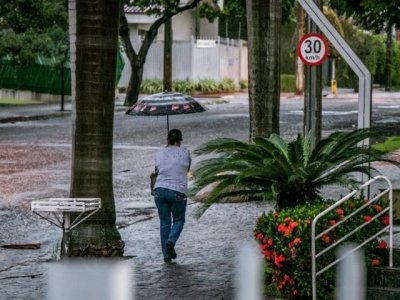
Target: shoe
[
  {"x": 167, "y": 259},
  {"x": 171, "y": 250}
]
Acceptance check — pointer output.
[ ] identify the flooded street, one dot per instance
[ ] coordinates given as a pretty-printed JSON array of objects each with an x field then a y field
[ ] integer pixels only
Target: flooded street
[{"x": 35, "y": 163}]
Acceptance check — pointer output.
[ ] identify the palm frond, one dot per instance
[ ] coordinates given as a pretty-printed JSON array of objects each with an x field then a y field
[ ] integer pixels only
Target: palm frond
[{"x": 289, "y": 172}]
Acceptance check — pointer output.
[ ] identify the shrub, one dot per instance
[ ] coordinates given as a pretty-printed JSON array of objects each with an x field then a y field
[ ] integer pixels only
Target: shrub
[
  {"x": 227, "y": 85},
  {"x": 186, "y": 86},
  {"x": 288, "y": 83},
  {"x": 290, "y": 173},
  {"x": 208, "y": 86},
  {"x": 243, "y": 84},
  {"x": 285, "y": 242},
  {"x": 151, "y": 86}
]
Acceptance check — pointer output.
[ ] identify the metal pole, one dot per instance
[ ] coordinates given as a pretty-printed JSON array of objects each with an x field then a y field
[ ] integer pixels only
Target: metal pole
[{"x": 313, "y": 93}]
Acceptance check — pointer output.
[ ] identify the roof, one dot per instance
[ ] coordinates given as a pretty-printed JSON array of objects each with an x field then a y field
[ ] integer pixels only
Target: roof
[{"x": 137, "y": 10}]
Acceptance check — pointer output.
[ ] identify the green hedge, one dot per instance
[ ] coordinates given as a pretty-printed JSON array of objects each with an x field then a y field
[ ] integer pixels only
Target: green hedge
[
  {"x": 187, "y": 86},
  {"x": 209, "y": 86}
]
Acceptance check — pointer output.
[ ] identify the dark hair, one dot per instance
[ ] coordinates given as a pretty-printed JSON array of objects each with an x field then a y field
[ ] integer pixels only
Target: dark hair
[{"x": 174, "y": 136}]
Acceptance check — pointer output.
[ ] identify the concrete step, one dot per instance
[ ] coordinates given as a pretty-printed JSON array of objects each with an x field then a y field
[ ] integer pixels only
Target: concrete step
[
  {"x": 383, "y": 293},
  {"x": 384, "y": 277}
]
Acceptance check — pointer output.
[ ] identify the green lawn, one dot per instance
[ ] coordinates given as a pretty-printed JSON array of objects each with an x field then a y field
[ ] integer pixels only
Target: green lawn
[
  {"x": 12, "y": 102},
  {"x": 391, "y": 144}
]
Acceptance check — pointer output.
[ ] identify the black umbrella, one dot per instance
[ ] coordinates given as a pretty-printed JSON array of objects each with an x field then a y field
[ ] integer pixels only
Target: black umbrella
[{"x": 165, "y": 104}]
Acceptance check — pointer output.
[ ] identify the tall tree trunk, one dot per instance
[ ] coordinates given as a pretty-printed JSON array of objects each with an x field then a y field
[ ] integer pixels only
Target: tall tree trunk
[
  {"x": 263, "y": 25},
  {"x": 299, "y": 64},
  {"x": 388, "y": 61},
  {"x": 168, "y": 55},
  {"x": 93, "y": 118}
]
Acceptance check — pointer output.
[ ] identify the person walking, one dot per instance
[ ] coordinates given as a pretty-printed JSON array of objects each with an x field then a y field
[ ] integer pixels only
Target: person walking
[{"x": 172, "y": 164}]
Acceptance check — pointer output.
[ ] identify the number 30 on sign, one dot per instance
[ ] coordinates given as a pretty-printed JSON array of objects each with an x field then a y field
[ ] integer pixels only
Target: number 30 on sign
[{"x": 312, "y": 49}]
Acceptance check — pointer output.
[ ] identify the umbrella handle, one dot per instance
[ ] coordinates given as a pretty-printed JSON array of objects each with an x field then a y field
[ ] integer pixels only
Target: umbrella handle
[{"x": 167, "y": 124}]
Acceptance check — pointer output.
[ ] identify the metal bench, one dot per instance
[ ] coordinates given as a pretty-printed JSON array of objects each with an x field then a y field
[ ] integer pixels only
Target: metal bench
[{"x": 86, "y": 207}]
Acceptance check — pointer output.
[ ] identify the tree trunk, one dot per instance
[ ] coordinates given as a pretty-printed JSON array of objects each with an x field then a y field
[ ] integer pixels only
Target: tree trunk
[
  {"x": 263, "y": 23},
  {"x": 168, "y": 55},
  {"x": 93, "y": 120},
  {"x": 299, "y": 64},
  {"x": 133, "y": 90},
  {"x": 388, "y": 61},
  {"x": 137, "y": 60}
]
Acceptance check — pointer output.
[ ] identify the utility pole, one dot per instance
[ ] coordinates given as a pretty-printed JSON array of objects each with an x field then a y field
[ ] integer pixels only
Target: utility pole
[{"x": 313, "y": 92}]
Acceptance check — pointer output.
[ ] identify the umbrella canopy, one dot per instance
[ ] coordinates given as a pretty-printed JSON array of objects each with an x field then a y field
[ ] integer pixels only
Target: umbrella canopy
[{"x": 165, "y": 104}]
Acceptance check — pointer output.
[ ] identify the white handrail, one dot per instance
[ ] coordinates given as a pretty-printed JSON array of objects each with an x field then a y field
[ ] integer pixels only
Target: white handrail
[{"x": 314, "y": 237}]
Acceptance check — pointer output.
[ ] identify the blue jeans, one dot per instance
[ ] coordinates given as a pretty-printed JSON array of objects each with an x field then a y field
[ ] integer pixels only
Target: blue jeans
[{"x": 171, "y": 207}]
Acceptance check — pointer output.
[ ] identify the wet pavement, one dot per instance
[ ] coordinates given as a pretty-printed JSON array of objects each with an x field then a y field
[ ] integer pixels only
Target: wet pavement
[{"x": 35, "y": 162}]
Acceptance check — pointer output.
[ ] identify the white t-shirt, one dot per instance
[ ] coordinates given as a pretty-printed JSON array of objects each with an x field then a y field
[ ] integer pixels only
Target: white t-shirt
[{"x": 173, "y": 163}]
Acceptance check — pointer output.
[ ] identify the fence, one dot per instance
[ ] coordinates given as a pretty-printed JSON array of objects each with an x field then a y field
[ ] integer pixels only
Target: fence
[
  {"x": 36, "y": 78},
  {"x": 45, "y": 78},
  {"x": 216, "y": 59}
]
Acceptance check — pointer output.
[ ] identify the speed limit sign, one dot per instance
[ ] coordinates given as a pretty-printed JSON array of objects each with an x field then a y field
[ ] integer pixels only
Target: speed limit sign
[{"x": 312, "y": 49}]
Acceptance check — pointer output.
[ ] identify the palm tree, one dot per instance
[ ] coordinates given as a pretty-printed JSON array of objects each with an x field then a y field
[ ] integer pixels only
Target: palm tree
[
  {"x": 290, "y": 173},
  {"x": 263, "y": 26},
  {"x": 94, "y": 65}
]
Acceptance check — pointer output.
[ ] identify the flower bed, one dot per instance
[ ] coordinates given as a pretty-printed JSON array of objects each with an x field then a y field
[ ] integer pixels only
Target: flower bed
[{"x": 285, "y": 241}]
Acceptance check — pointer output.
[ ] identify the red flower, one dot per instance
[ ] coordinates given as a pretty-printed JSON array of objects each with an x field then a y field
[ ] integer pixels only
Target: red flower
[
  {"x": 382, "y": 245},
  {"x": 367, "y": 218},
  {"x": 267, "y": 254},
  {"x": 278, "y": 259},
  {"x": 295, "y": 292},
  {"x": 282, "y": 228},
  {"x": 259, "y": 236},
  {"x": 293, "y": 225},
  {"x": 375, "y": 262},
  {"x": 325, "y": 238},
  {"x": 296, "y": 241},
  {"x": 340, "y": 211},
  {"x": 377, "y": 207},
  {"x": 332, "y": 222},
  {"x": 290, "y": 245},
  {"x": 288, "y": 219},
  {"x": 385, "y": 220},
  {"x": 270, "y": 242},
  {"x": 264, "y": 241}
]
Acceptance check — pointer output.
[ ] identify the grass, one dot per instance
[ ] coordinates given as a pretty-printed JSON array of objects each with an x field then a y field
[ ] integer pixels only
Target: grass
[
  {"x": 391, "y": 144},
  {"x": 13, "y": 102}
]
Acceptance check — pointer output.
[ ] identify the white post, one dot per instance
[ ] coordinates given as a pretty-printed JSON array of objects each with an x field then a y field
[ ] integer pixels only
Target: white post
[
  {"x": 351, "y": 273},
  {"x": 249, "y": 274}
]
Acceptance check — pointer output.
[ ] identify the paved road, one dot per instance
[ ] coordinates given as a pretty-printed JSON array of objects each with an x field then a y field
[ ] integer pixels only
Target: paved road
[{"x": 35, "y": 160}]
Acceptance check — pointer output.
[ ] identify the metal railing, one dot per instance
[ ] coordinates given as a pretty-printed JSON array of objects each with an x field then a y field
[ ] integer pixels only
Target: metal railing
[{"x": 315, "y": 236}]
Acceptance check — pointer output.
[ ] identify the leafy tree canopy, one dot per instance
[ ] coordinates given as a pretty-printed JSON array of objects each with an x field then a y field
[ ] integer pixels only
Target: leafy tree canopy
[
  {"x": 372, "y": 14},
  {"x": 32, "y": 28},
  {"x": 234, "y": 13}
]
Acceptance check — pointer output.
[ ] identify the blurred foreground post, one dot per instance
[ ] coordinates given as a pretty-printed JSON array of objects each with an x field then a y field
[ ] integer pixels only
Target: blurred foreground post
[
  {"x": 350, "y": 275},
  {"x": 87, "y": 280},
  {"x": 249, "y": 282}
]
